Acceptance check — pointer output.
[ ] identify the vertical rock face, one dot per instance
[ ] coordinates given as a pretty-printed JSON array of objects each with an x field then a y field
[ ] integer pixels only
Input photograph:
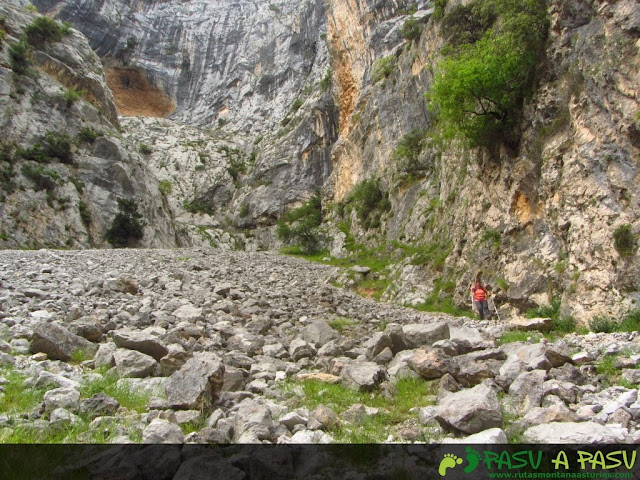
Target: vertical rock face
[
  {"x": 538, "y": 221},
  {"x": 242, "y": 61},
  {"x": 252, "y": 69},
  {"x": 64, "y": 163}
]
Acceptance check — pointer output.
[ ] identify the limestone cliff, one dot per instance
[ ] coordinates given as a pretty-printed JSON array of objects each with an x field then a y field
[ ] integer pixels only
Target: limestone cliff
[
  {"x": 63, "y": 161},
  {"x": 540, "y": 221}
]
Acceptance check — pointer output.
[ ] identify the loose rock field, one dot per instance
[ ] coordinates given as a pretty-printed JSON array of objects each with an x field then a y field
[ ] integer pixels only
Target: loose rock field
[{"x": 210, "y": 346}]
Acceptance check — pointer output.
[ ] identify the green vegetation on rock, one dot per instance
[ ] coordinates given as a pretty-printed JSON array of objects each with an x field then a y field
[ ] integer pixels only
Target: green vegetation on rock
[
  {"x": 300, "y": 226},
  {"x": 624, "y": 241},
  {"x": 480, "y": 86},
  {"x": 127, "y": 227}
]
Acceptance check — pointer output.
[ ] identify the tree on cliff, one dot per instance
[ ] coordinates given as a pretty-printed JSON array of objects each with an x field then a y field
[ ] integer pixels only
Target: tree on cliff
[{"x": 479, "y": 87}]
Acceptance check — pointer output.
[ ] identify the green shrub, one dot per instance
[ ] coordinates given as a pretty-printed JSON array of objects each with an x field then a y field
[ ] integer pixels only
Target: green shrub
[
  {"x": 165, "y": 187},
  {"x": 602, "y": 324},
  {"x": 7, "y": 152},
  {"x": 439, "y": 7},
  {"x": 629, "y": 322},
  {"x": 236, "y": 167},
  {"x": 58, "y": 146},
  {"x": 71, "y": 95},
  {"x": 199, "y": 205},
  {"x": 325, "y": 83},
  {"x": 411, "y": 29},
  {"x": 369, "y": 202},
  {"x": 87, "y": 135},
  {"x": 466, "y": 24},
  {"x": 85, "y": 213},
  {"x": 144, "y": 149},
  {"x": 300, "y": 226},
  {"x": 493, "y": 237},
  {"x": 19, "y": 56},
  {"x": 244, "y": 210},
  {"x": 407, "y": 153},
  {"x": 3, "y": 34},
  {"x": 127, "y": 227},
  {"x": 43, "y": 30},
  {"x": 479, "y": 88},
  {"x": 624, "y": 241},
  {"x": 43, "y": 178},
  {"x": 560, "y": 323},
  {"x": 79, "y": 184},
  {"x": 297, "y": 103},
  {"x": 382, "y": 68},
  {"x": 7, "y": 185},
  {"x": 66, "y": 28},
  {"x": 54, "y": 146}
]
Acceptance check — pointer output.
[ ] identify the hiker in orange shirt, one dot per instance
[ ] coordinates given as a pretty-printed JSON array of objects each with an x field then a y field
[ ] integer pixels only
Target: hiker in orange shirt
[{"x": 480, "y": 295}]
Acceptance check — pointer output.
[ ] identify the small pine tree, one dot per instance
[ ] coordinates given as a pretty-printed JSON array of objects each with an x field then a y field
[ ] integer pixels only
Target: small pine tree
[{"x": 127, "y": 227}]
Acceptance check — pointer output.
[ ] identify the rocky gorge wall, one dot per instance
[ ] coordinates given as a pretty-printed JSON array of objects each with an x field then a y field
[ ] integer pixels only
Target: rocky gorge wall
[
  {"x": 60, "y": 189},
  {"x": 540, "y": 221}
]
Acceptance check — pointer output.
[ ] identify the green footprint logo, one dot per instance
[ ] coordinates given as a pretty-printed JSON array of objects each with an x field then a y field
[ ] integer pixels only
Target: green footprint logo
[
  {"x": 449, "y": 461},
  {"x": 473, "y": 457}
]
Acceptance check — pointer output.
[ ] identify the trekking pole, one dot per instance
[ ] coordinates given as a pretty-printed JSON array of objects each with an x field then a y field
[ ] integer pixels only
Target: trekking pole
[{"x": 495, "y": 308}]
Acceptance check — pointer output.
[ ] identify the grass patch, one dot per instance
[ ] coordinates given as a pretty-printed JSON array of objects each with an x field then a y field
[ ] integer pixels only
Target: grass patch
[
  {"x": 629, "y": 322},
  {"x": 79, "y": 356},
  {"x": 340, "y": 324},
  {"x": 18, "y": 398},
  {"x": 409, "y": 393},
  {"x": 561, "y": 324},
  {"x": 193, "y": 426},
  {"x": 108, "y": 384},
  {"x": 519, "y": 336}
]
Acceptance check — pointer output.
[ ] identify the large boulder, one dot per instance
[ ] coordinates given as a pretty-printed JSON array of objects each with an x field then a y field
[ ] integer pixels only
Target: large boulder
[
  {"x": 253, "y": 421},
  {"x": 67, "y": 398},
  {"x": 419, "y": 335},
  {"x": 318, "y": 333},
  {"x": 363, "y": 376},
  {"x": 58, "y": 342},
  {"x": 575, "y": 433},
  {"x": 526, "y": 357},
  {"x": 392, "y": 338},
  {"x": 146, "y": 341},
  {"x": 527, "y": 390},
  {"x": 432, "y": 364},
  {"x": 162, "y": 431},
  {"x": 130, "y": 363},
  {"x": 197, "y": 385},
  {"x": 471, "y": 411}
]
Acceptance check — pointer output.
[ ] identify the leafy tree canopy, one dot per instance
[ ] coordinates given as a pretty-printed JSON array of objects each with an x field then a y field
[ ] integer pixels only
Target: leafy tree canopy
[{"x": 479, "y": 88}]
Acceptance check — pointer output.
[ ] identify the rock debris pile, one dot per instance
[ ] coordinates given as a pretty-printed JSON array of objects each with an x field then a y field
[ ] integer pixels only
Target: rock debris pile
[{"x": 221, "y": 341}]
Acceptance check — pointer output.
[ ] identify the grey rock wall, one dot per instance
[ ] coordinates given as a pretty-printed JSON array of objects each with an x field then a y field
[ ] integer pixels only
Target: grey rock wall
[{"x": 96, "y": 173}]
